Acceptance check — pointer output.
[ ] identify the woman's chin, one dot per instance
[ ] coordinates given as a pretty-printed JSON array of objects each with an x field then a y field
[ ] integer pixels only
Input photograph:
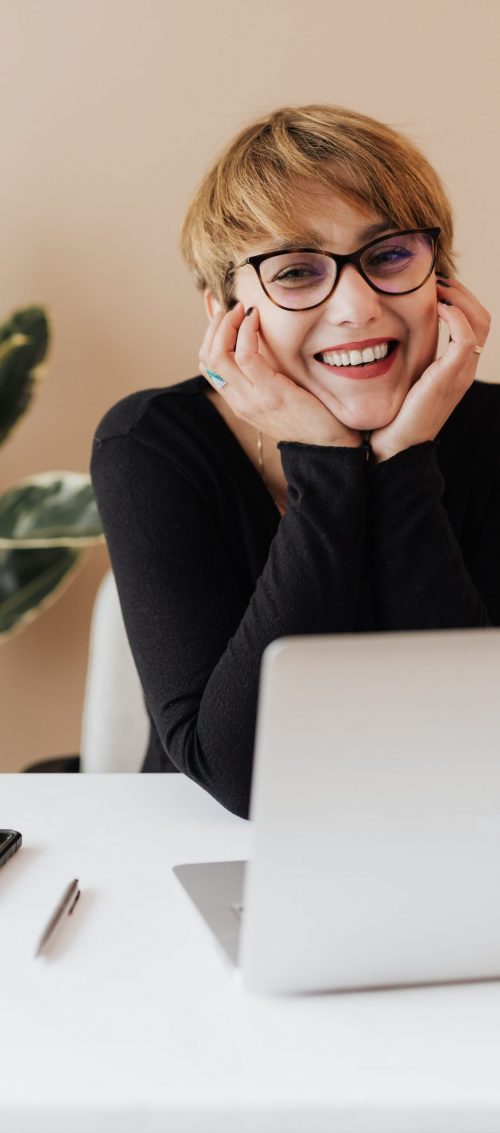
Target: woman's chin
[
  {"x": 364, "y": 408},
  {"x": 367, "y": 421},
  {"x": 370, "y": 416}
]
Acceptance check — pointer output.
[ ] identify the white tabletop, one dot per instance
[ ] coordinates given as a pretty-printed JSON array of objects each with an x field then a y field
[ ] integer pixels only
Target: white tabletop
[{"x": 135, "y": 1021}]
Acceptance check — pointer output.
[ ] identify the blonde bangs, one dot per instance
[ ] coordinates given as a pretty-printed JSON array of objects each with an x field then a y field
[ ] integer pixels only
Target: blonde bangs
[{"x": 260, "y": 181}]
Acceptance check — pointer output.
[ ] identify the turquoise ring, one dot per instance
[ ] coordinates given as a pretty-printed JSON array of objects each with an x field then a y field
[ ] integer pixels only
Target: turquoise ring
[{"x": 217, "y": 379}]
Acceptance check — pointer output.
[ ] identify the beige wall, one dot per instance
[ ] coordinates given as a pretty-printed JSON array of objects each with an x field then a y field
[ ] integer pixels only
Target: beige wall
[{"x": 110, "y": 112}]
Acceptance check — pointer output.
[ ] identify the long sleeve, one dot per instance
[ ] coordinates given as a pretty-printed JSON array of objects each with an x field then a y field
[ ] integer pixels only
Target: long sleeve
[
  {"x": 421, "y": 576},
  {"x": 196, "y": 639}
]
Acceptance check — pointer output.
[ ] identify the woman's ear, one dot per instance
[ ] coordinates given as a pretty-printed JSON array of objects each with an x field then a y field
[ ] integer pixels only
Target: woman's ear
[{"x": 211, "y": 303}]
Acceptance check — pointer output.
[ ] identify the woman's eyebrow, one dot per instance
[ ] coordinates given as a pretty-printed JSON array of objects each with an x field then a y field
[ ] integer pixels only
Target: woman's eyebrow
[
  {"x": 314, "y": 239},
  {"x": 374, "y": 229}
]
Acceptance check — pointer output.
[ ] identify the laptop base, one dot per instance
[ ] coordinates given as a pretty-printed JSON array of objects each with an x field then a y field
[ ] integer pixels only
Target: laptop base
[{"x": 216, "y": 888}]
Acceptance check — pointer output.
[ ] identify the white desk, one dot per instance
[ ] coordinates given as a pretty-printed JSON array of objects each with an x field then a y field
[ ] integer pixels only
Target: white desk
[{"x": 137, "y": 1023}]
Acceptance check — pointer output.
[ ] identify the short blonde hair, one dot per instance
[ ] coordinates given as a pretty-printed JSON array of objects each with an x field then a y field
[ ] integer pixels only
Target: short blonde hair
[{"x": 253, "y": 187}]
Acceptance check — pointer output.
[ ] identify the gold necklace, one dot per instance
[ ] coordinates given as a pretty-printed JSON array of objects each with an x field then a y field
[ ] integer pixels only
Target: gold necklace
[{"x": 261, "y": 466}]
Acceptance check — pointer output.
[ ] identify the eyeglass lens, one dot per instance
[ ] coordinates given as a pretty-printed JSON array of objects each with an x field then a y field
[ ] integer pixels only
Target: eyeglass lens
[{"x": 302, "y": 279}]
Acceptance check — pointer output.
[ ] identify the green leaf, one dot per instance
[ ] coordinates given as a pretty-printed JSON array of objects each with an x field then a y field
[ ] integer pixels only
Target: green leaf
[
  {"x": 31, "y": 321},
  {"x": 30, "y": 581},
  {"x": 24, "y": 340},
  {"x": 51, "y": 509}
]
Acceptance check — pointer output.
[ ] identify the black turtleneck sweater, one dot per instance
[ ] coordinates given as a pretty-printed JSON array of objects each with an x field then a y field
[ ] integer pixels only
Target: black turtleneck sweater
[{"x": 209, "y": 573}]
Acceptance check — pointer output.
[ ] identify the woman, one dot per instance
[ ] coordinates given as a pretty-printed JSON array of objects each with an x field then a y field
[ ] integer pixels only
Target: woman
[{"x": 298, "y": 485}]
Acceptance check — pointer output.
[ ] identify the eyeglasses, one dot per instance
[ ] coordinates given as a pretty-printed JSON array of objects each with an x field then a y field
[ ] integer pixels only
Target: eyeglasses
[{"x": 299, "y": 279}]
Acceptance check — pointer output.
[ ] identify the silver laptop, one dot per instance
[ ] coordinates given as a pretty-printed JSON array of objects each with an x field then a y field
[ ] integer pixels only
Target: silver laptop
[{"x": 376, "y": 812}]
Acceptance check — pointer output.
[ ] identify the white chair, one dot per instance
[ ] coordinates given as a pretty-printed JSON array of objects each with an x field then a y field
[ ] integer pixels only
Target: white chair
[{"x": 115, "y": 723}]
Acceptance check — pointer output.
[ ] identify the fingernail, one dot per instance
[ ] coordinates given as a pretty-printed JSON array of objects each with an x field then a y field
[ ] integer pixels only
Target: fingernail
[
  {"x": 249, "y": 312},
  {"x": 446, "y": 302},
  {"x": 443, "y": 284},
  {"x": 441, "y": 275}
]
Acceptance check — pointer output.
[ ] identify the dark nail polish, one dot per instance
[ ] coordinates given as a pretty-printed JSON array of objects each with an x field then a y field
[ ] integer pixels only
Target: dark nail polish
[
  {"x": 249, "y": 312},
  {"x": 443, "y": 284},
  {"x": 441, "y": 275},
  {"x": 447, "y": 302}
]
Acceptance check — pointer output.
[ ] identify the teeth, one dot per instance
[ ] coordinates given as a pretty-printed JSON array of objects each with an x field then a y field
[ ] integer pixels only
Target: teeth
[{"x": 356, "y": 357}]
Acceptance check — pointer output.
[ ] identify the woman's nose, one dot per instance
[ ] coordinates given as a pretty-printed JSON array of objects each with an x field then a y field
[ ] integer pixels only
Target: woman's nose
[{"x": 353, "y": 298}]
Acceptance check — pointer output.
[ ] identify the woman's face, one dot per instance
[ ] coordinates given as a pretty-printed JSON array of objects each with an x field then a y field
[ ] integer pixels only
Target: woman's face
[{"x": 289, "y": 340}]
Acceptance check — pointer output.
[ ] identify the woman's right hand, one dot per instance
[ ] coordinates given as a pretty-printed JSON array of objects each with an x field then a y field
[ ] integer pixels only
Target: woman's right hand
[{"x": 263, "y": 397}]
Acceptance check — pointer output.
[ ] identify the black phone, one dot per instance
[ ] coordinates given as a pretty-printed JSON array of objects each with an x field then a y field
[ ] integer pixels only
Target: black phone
[{"x": 10, "y": 841}]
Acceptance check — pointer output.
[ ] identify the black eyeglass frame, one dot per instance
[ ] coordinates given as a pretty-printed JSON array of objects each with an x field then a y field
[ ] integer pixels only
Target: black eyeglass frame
[{"x": 340, "y": 261}]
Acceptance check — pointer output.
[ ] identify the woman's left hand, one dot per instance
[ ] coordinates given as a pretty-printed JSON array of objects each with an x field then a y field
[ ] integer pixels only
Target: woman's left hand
[{"x": 433, "y": 397}]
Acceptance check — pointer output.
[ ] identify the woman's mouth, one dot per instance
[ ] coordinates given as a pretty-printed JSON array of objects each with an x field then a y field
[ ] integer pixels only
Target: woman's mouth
[{"x": 363, "y": 369}]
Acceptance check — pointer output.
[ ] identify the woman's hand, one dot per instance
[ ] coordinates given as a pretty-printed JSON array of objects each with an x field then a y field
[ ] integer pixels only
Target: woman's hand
[
  {"x": 264, "y": 398},
  {"x": 432, "y": 398}
]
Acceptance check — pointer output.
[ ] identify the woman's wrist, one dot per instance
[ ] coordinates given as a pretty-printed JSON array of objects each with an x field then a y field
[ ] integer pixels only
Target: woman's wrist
[
  {"x": 380, "y": 454},
  {"x": 334, "y": 444}
]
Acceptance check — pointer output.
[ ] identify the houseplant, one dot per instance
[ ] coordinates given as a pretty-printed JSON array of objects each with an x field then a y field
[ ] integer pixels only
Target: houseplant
[{"x": 46, "y": 520}]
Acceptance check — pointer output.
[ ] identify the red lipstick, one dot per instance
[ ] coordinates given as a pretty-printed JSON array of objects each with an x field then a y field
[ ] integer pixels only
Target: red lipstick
[
  {"x": 367, "y": 369},
  {"x": 357, "y": 345}
]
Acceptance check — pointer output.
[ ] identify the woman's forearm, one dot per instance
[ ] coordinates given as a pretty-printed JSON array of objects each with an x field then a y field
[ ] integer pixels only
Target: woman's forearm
[
  {"x": 418, "y": 574},
  {"x": 196, "y": 639}
]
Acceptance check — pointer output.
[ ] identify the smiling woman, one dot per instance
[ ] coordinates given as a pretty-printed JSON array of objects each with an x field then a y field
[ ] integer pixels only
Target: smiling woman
[{"x": 326, "y": 472}]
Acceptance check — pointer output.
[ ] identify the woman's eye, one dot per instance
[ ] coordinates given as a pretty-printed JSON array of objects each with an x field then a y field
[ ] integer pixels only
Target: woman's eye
[
  {"x": 293, "y": 273},
  {"x": 385, "y": 257}
]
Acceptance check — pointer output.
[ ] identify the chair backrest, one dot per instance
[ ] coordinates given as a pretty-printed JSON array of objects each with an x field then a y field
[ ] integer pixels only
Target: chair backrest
[{"x": 115, "y": 723}]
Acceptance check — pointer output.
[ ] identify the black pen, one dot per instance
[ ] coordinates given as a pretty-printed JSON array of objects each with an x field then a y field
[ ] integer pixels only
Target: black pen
[{"x": 66, "y": 905}]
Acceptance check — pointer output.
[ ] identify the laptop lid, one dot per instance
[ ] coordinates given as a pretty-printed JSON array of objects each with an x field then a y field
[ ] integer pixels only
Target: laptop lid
[{"x": 376, "y": 804}]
